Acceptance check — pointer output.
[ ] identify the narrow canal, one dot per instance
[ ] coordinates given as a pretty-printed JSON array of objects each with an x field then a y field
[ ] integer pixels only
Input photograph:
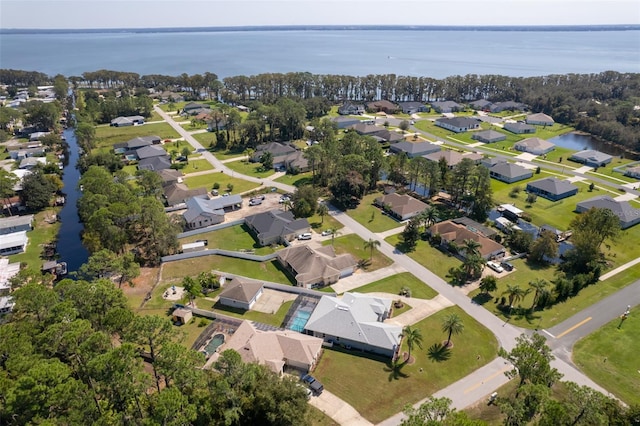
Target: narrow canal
[{"x": 69, "y": 245}]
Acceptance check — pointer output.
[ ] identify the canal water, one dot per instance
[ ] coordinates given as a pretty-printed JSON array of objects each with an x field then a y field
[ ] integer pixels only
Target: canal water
[
  {"x": 69, "y": 244},
  {"x": 580, "y": 142}
]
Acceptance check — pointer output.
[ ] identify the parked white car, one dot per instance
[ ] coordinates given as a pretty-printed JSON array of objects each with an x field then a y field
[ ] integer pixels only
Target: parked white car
[
  {"x": 327, "y": 233},
  {"x": 495, "y": 266},
  {"x": 305, "y": 236}
]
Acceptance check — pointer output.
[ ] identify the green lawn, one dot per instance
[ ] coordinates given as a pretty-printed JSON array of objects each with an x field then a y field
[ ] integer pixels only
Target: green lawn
[
  {"x": 154, "y": 117},
  {"x": 196, "y": 165},
  {"x": 389, "y": 390},
  {"x": 620, "y": 374},
  {"x": 271, "y": 319},
  {"x": 41, "y": 234},
  {"x": 296, "y": 180},
  {"x": 320, "y": 224},
  {"x": 371, "y": 216},
  {"x": 207, "y": 181},
  {"x": 173, "y": 272},
  {"x": 353, "y": 244},
  {"x": 189, "y": 125},
  {"x": 395, "y": 283},
  {"x": 316, "y": 417},
  {"x": 250, "y": 169},
  {"x": 557, "y": 153},
  {"x": 436, "y": 261},
  {"x": 177, "y": 106},
  {"x": 107, "y": 136},
  {"x": 233, "y": 238}
]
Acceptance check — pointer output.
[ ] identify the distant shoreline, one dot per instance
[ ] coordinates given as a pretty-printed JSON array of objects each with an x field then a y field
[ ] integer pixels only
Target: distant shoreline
[{"x": 533, "y": 28}]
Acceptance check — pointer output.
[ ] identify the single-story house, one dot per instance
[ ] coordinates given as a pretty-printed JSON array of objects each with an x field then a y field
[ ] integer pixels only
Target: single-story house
[
  {"x": 507, "y": 106},
  {"x": 7, "y": 271},
  {"x": 277, "y": 349},
  {"x": 193, "y": 108},
  {"x": 316, "y": 267},
  {"x": 451, "y": 232},
  {"x": 401, "y": 207},
  {"x": 519, "y": 128},
  {"x": 412, "y": 107},
  {"x": 458, "y": 124},
  {"x": 284, "y": 156},
  {"x": 633, "y": 172},
  {"x": 366, "y": 129},
  {"x": 21, "y": 154},
  {"x": 351, "y": 109},
  {"x": 181, "y": 316},
  {"x": 627, "y": 214},
  {"x": 127, "y": 121},
  {"x": 31, "y": 162},
  {"x": 474, "y": 226},
  {"x": 155, "y": 163},
  {"x": 356, "y": 321},
  {"x": 505, "y": 225},
  {"x": 13, "y": 243},
  {"x": 535, "y": 146},
  {"x": 446, "y": 106},
  {"x": 552, "y": 188},
  {"x": 509, "y": 172},
  {"x": 170, "y": 176},
  {"x": 276, "y": 226},
  {"x": 202, "y": 212},
  {"x": 592, "y": 158},
  {"x": 345, "y": 122},
  {"x": 414, "y": 149},
  {"x": 540, "y": 119},
  {"x": 212, "y": 124},
  {"x": 141, "y": 141},
  {"x": 386, "y": 135},
  {"x": 35, "y": 136},
  {"x": 241, "y": 293},
  {"x": 150, "y": 151},
  {"x": 453, "y": 157},
  {"x": 382, "y": 106},
  {"x": 489, "y": 162},
  {"x": 177, "y": 193},
  {"x": 510, "y": 211},
  {"x": 489, "y": 136},
  {"x": 11, "y": 224},
  {"x": 481, "y": 105}
]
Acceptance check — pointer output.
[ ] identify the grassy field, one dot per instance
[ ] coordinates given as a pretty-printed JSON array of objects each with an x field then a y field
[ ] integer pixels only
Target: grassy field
[
  {"x": 250, "y": 169},
  {"x": 154, "y": 117},
  {"x": 173, "y": 272},
  {"x": 207, "y": 181},
  {"x": 620, "y": 348},
  {"x": 196, "y": 165},
  {"x": 430, "y": 257},
  {"x": 316, "y": 417},
  {"x": 353, "y": 244},
  {"x": 108, "y": 136},
  {"x": 233, "y": 238},
  {"x": 371, "y": 216},
  {"x": 41, "y": 234},
  {"x": 296, "y": 180},
  {"x": 395, "y": 283},
  {"x": 346, "y": 374},
  {"x": 320, "y": 224},
  {"x": 275, "y": 319}
]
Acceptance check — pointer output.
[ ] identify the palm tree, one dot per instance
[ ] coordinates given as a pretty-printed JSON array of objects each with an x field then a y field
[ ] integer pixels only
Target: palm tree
[
  {"x": 413, "y": 336},
  {"x": 473, "y": 265},
  {"x": 452, "y": 324},
  {"x": 515, "y": 294},
  {"x": 488, "y": 284},
  {"x": 334, "y": 234},
  {"x": 287, "y": 205},
  {"x": 471, "y": 247},
  {"x": 540, "y": 287},
  {"x": 429, "y": 217},
  {"x": 371, "y": 245},
  {"x": 322, "y": 211}
]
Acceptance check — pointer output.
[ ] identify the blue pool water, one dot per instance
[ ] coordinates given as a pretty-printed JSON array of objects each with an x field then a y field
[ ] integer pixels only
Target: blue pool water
[
  {"x": 300, "y": 321},
  {"x": 213, "y": 345}
]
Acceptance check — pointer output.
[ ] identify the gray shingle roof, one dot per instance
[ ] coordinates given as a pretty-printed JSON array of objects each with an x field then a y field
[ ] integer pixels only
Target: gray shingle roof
[
  {"x": 591, "y": 156},
  {"x": 155, "y": 163},
  {"x": 459, "y": 121},
  {"x": 276, "y": 223},
  {"x": 198, "y": 206},
  {"x": 510, "y": 170},
  {"x": 489, "y": 135},
  {"x": 241, "y": 290},
  {"x": 625, "y": 212},
  {"x": 150, "y": 151},
  {"x": 553, "y": 185},
  {"x": 415, "y": 148}
]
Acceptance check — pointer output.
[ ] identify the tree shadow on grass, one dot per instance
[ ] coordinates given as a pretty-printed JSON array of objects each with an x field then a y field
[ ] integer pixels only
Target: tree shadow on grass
[
  {"x": 438, "y": 352},
  {"x": 394, "y": 368},
  {"x": 482, "y": 298}
]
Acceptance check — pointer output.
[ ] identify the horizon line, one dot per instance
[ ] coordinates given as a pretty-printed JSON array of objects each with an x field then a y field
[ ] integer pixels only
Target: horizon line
[{"x": 238, "y": 28}]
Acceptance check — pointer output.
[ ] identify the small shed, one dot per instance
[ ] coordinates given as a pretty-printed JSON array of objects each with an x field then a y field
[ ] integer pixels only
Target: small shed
[{"x": 182, "y": 316}]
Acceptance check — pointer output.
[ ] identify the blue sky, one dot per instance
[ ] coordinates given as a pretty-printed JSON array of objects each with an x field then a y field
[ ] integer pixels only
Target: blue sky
[{"x": 207, "y": 13}]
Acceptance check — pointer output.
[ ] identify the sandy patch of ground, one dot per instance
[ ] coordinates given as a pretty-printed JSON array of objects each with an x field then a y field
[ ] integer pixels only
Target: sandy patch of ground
[
  {"x": 142, "y": 285},
  {"x": 173, "y": 293}
]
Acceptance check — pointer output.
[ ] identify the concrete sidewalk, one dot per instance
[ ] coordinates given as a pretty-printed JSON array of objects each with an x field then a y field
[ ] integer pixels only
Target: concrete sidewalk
[
  {"x": 341, "y": 412},
  {"x": 390, "y": 232},
  {"x": 619, "y": 269},
  {"x": 420, "y": 308},
  {"x": 359, "y": 279}
]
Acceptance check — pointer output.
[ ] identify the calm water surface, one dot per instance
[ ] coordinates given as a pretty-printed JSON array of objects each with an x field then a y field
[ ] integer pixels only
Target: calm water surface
[{"x": 580, "y": 142}]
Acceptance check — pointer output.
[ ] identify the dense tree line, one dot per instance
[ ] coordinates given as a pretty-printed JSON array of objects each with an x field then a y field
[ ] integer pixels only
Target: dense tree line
[
  {"x": 94, "y": 109},
  {"x": 76, "y": 354}
]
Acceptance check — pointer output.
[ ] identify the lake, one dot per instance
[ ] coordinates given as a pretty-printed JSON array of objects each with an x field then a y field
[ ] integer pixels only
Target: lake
[
  {"x": 579, "y": 142},
  {"x": 432, "y": 53}
]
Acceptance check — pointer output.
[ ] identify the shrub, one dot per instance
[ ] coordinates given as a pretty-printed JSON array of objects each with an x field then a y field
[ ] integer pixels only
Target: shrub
[
  {"x": 202, "y": 323},
  {"x": 216, "y": 185}
]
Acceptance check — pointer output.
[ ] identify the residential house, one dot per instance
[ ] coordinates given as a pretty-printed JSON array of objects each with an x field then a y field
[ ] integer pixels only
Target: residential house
[
  {"x": 345, "y": 122},
  {"x": 276, "y": 349},
  {"x": 592, "y": 158},
  {"x": 540, "y": 119},
  {"x": 129, "y": 147},
  {"x": 283, "y": 155},
  {"x": 535, "y": 146},
  {"x": 453, "y": 157},
  {"x": 446, "y": 106},
  {"x": 489, "y": 162},
  {"x": 489, "y": 136},
  {"x": 241, "y": 293},
  {"x": 150, "y": 151},
  {"x": 356, "y": 321},
  {"x": 519, "y": 128},
  {"x": 32, "y": 162},
  {"x": 155, "y": 164},
  {"x": 458, "y": 124},
  {"x": 11, "y": 224},
  {"x": 401, "y": 207},
  {"x": 414, "y": 149},
  {"x": 633, "y": 172},
  {"x": 509, "y": 172},
  {"x": 193, "y": 108},
  {"x": 7, "y": 271},
  {"x": 412, "y": 107},
  {"x": 474, "y": 226},
  {"x": 170, "y": 176},
  {"x": 510, "y": 211},
  {"x": 212, "y": 125},
  {"x": 21, "y": 154},
  {"x": 276, "y": 226},
  {"x": 481, "y": 105},
  {"x": 36, "y": 136},
  {"x": 451, "y": 232},
  {"x": 351, "y": 109},
  {"x": 382, "y": 106},
  {"x": 178, "y": 193},
  {"x": 507, "y": 106},
  {"x": 202, "y": 212},
  {"x": 316, "y": 267},
  {"x": 627, "y": 214},
  {"x": 366, "y": 129},
  {"x": 552, "y": 188},
  {"x": 13, "y": 243},
  {"x": 127, "y": 121}
]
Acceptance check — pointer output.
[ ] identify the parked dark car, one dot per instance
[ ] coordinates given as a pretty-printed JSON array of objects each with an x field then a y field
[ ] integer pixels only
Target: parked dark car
[
  {"x": 507, "y": 266},
  {"x": 315, "y": 386}
]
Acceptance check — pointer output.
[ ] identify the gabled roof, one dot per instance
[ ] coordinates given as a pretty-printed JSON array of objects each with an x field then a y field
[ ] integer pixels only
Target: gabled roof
[
  {"x": 515, "y": 127},
  {"x": 458, "y": 121},
  {"x": 457, "y": 233},
  {"x": 451, "y": 157},
  {"x": 276, "y": 149},
  {"x": 13, "y": 221},
  {"x": 194, "y": 105},
  {"x": 141, "y": 141},
  {"x": 127, "y": 120},
  {"x": 315, "y": 265},
  {"x": 445, "y": 104},
  {"x": 200, "y": 206},
  {"x": 622, "y": 209},
  {"x": 366, "y": 129},
  {"x": 553, "y": 185},
  {"x": 276, "y": 223},
  {"x": 356, "y": 317},
  {"x": 474, "y": 226},
  {"x": 155, "y": 163},
  {"x": 169, "y": 175},
  {"x": 241, "y": 290},
  {"x": 402, "y": 205},
  {"x": 510, "y": 170},
  {"x": 413, "y": 148},
  {"x": 534, "y": 143},
  {"x": 489, "y": 135},
  {"x": 480, "y": 103},
  {"x": 150, "y": 151},
  {"x": 179, "y": 192}
]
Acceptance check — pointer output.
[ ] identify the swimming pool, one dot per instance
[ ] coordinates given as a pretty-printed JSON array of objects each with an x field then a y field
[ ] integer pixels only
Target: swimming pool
[
  {"x": 300, "y": 320},
  {"x": 214, "y": 344}
]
